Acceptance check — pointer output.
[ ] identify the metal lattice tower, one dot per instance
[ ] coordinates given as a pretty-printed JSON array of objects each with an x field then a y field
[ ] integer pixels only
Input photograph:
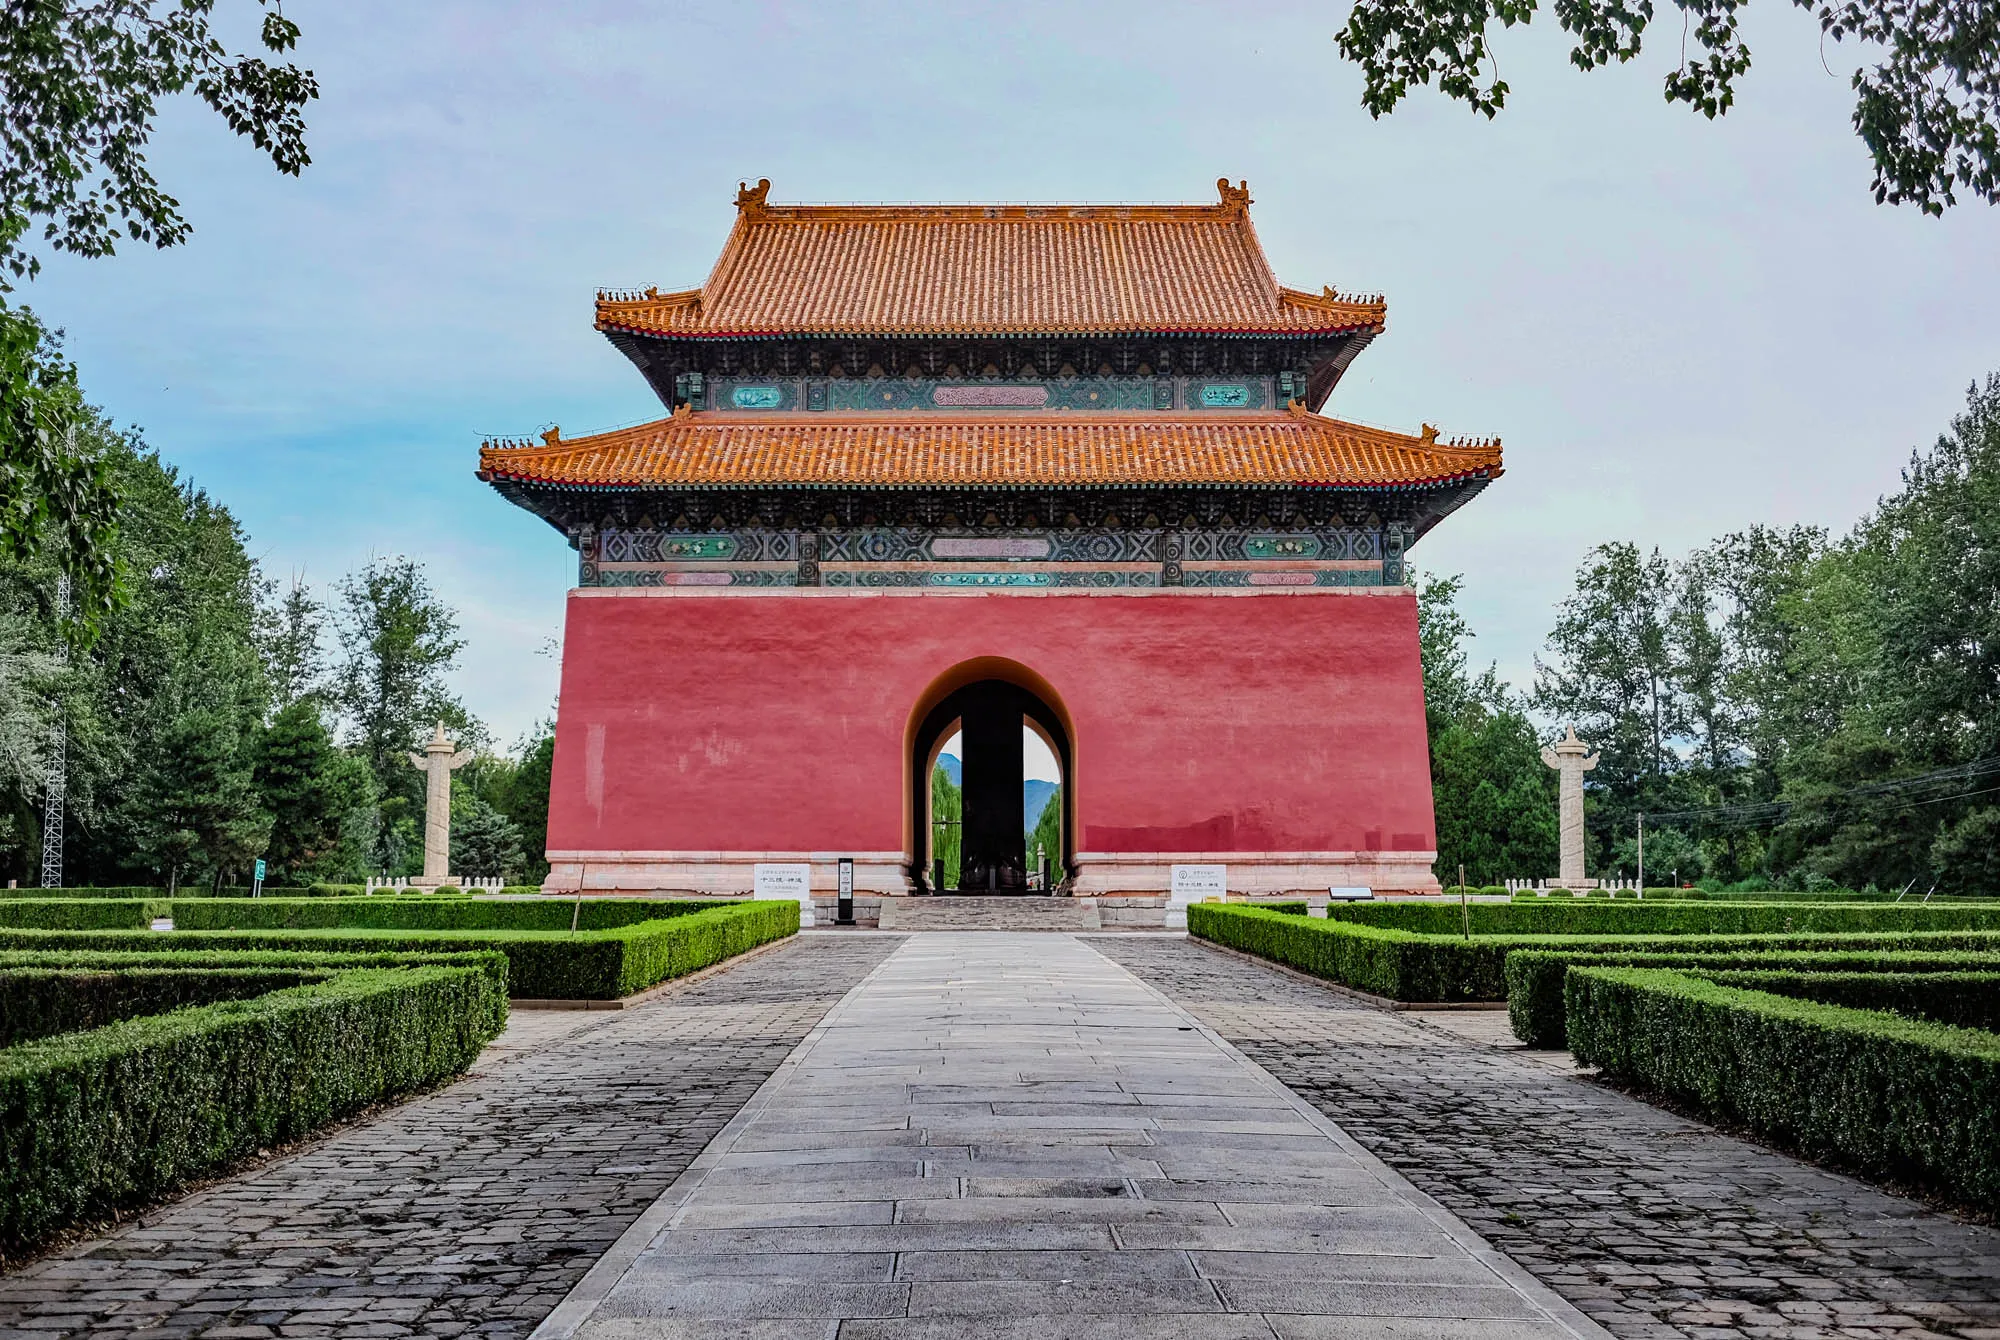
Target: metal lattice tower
[{"x": 56, "y": 788}]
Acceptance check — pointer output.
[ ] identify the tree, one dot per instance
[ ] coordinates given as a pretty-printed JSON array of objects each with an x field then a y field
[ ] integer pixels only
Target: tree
[
  {"x": 83, "y": 81},
  {"x": 1494, "y": 801},
  {"x": 290, "y": 635},
  {"x": 484, "y": 845},
  {"x": 398, "y": 639},
  {"x": 947, "y": 836},
  {"x": 524, "y": 799},
  {"x": 199, "y": 802},
  {"x": 1611, "y": 671},
  {"x": 56, "y": 490},
  {"x": 1046, "y": 836},
  {"x": 311, "y": 791},
  {"x": 1929, "y": 113}
]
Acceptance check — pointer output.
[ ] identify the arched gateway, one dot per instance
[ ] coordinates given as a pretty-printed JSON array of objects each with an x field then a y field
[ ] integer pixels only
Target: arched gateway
[{"x": 912, "y": 451}]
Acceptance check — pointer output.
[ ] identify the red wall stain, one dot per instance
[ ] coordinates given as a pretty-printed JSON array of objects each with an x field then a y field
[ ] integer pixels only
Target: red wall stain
[{"x": 777, "y": 722}]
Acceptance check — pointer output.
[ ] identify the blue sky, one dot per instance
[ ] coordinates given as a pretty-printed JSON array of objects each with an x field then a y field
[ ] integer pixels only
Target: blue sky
[{"x": 1678, "y": 327}]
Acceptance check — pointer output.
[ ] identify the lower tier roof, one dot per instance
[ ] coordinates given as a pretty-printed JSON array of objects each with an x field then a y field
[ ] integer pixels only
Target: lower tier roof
[{"x": 840, "y": 450}]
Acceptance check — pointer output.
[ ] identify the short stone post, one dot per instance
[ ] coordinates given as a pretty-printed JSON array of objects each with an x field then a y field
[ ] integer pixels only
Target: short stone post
[
  {"x": 438, "y": 762},
  {"x": 1568, "y": 757}
]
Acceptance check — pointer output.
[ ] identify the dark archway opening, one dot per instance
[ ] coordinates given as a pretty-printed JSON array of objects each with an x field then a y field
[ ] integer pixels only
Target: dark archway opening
[{"x": 989, "y": 716}]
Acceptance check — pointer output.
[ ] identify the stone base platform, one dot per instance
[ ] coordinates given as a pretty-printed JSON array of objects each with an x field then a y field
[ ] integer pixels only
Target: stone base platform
[{"x": 972, "y": 912}]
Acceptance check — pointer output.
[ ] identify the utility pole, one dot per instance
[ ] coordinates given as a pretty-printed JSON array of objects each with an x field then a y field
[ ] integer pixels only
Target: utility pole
[{"x": 55, "y": 789}]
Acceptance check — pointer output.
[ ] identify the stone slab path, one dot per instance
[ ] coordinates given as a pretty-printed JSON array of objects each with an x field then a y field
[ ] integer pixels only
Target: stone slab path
[
  {"x": 1011, "y": 1136},
  {"x": 468, "y": 1211},
  {"x": 1654, "y": 1225}
]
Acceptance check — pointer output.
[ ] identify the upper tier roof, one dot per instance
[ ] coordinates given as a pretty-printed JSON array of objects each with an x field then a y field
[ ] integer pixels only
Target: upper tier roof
[
  {"x": 1266, "y": 449},
  {"x": 998, "y": 270}
]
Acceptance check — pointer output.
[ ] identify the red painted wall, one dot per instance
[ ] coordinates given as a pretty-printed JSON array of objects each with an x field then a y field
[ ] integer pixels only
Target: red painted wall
[{"x": 776, "y": 722}]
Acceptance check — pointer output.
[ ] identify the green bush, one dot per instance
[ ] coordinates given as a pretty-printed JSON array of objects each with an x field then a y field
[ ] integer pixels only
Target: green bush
[
  {"x": 80, "y": 914},
  {"x": 1893, "y": 1098},
  {"x": 426, "y": 913},
  {"x": 40, "y": 1001},
  {"x": 1552, "y": 916},
  {"x": 588, "y": 965},
  {"x": 491, "y": 962},
  {"x": 112, "y": 1118},
  {"x": 1535, "y": 1003},
  {"x": 127, "y": 891},
  {"x": 1966, "y": 998}
]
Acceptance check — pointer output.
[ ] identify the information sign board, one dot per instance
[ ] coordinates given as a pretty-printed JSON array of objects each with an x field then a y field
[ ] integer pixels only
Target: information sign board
[{"x": 785, "y": 881}]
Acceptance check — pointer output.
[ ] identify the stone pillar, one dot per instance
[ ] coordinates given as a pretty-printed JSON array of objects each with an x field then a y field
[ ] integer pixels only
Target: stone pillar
[
  {"x": 1567, "y": 757},
  {"x": 438, "y": 762}
]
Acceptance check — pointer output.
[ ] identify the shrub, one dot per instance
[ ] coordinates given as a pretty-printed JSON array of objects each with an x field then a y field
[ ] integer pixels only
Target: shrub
[
  {"x": 1968, "y": 997},
  {"x": 95, "y": 1122},
  {"x": 40, "y": 1001},
  {"x": 1535, "y": 1004},
  {"x": 80, "y": 914},
  {"x": 1550, "y": 916},
  {"x": 126, "y": 891},
  {"x": 491, "y": 962},
  {"x": 426, "y": 912},
  {"x": 1887, "y": 1097},
  {"x": 589, "y": 965}
]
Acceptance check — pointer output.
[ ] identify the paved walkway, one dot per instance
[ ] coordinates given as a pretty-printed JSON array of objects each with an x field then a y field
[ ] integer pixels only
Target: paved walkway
[
  {"x": 1654, "y": 1225},
  {"x": 469, "y": 1211},
  {"x": 1011, "y": 1136}
]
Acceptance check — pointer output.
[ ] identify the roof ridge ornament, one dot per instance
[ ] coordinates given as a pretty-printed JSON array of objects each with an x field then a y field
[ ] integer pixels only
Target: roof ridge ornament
[
  {"x": 1430, "y": 435},
  {"x": 1235, "y": 199},
  {"x": 750, "y": 199},
  {"x": 553, "y": 437}
]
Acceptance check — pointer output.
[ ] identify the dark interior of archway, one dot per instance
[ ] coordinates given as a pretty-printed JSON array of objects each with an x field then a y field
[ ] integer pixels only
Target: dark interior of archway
[{"x": 993, "y": 850}]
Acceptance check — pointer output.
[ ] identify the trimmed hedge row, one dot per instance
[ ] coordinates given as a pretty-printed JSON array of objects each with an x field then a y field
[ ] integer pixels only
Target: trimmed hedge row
[
  {"x": 491, "y": 962},
  {"x": 81, "y": 914},
  {"x": 426, "y": 913},
  {"x": 1535, "y": 1002},
  {"x": 1887, "y": 1097},
  {"x": 1966, "y": 998},
  {"x": 43, "y": 1001},
  {"x": 589, "y": 965},
  {"x": 95, "y": 1122},
  {"x": 1607, "y": 917},
  {"x": 1410, "y": 967}
]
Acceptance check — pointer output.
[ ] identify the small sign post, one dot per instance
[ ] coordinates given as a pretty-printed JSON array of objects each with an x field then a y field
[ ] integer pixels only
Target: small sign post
[
  {"x": 257, "y": 880},
  {"x": 792, "y": 882},
  {"x": 1191, "y": 884},
  {"x": 844, "y": 908}
]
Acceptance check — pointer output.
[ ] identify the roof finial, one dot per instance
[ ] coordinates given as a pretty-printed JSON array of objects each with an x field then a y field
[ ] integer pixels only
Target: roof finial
[
  {"x": 1235, "y": 199},
  {"x": 684, "y": 410},
  {"x": 553, "y": 436},
  {"x": 750, "y": 199},
  {"x": 1430, "y": 435}
]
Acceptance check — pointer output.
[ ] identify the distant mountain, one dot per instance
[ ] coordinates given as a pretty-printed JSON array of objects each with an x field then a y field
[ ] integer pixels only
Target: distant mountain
[
  {"x": 1035, "y": 792},
  {"x": 1035, "y": 795}
]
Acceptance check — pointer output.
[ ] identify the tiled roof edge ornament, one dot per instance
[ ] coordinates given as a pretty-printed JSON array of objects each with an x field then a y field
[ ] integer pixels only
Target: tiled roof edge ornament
[
  {"x": 553, "y": 437},
  {"x": 1429, "y": 435},
  {"x": 751, "y": 200},
  {"x": 1235, "y": 199}
]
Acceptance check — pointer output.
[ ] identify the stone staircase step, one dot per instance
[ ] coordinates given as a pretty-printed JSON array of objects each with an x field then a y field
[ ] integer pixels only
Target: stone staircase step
[{"x": 976, "y": 912}]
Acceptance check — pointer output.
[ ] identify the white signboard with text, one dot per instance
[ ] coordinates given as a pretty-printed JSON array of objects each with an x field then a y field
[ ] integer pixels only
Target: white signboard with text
[
  {"x": 1192, "y": 884},
  {"x": 785, "y": 881}
]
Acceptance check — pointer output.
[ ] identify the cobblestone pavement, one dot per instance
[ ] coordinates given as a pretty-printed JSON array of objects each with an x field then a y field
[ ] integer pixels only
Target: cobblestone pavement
[
  {"x": 469, "y": 1211},
  {"x": 1651, "y": 1224}
]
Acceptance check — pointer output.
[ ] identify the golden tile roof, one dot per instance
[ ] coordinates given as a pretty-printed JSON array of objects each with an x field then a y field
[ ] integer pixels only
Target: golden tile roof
[
  {"x": 989, "y": 270},
  {"x": 1045, "y": 450}
]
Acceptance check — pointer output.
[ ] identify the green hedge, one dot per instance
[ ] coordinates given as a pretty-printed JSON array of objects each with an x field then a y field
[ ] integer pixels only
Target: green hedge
[
  {"x": 1965, "y": 998},
  {"x": 426, "y": 913},
  {"x": 42, "y": 1001},
  {"x": 1901, "y": 1099},
  {"x": 1443, "y": 968},
  {"x": 491, "y": 962},
  {"x": 1555, "y": 916},
  {"x": 95, "y": 1122},
  {"x": 1535, "y": 1004},
  {"x": 589, "y": 965},
  {"x": 80, "y": 914}
]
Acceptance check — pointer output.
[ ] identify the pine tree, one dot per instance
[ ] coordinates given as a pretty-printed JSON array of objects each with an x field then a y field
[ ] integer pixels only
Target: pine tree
[
  {"x": 199, "y": 801},
  {"x": 311, "y": 790}
]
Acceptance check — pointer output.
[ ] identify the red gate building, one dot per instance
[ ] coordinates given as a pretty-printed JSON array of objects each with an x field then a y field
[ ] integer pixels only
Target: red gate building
[{"x": 936, "y": 471}]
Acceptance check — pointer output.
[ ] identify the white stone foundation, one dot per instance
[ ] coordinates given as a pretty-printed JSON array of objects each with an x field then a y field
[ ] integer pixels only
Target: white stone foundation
[
  {"x": 1258, "y": 874},
  {"x": 714, "y": 872}
]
